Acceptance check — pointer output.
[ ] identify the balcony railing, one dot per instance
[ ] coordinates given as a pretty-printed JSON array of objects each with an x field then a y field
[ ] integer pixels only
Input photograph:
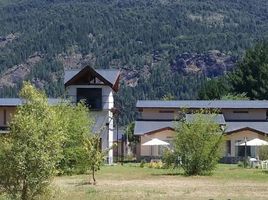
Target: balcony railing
[{"x": 4, "y": 129}]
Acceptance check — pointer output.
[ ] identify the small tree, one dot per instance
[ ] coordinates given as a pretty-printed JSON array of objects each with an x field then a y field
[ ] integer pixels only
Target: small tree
[
  {"x": 198, "y": 144},
  {"x": 28, "y": 160},
  {"x": 78, "y": 129},
  {"x": 95, "y": 156}
]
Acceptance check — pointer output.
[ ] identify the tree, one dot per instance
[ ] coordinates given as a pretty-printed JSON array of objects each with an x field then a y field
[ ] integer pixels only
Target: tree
[
  {"x": 214, "y": 89},
  {"x": 197, "y": 143},
  {"x": 78, "y": 129},
  {"x": 229, "y": 96},
  {"x": 129, "y": 131},
  {"x": 28, "y": 161},
  {"x": 168, "y": 97},
  {"x": 251, "y": 74},
  {"x": 95, "y": 156}
]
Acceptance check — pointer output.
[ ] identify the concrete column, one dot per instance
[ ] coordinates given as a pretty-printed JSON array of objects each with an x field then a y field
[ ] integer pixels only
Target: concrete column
[
  {"x": 110, "y": 138},
  {"x": 111, "y": 128}
]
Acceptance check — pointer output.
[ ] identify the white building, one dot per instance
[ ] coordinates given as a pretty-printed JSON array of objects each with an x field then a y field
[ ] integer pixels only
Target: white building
[{"x": 96, "y": 88}]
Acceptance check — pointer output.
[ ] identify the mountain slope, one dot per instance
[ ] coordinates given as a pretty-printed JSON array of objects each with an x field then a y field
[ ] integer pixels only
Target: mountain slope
[{"x": 135, "y": 35}]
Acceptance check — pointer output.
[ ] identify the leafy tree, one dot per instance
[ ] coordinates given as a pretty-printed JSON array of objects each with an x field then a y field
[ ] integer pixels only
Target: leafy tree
[
  {"x": 198, "y": 144},
  {"x": 95, "y": 156},
  {"x": 78, "y": 125},
  {"x": 168, "y": 97},
  {"x": 251, "y": 74},
  {"x": 214, "y": 89},
  {"x": 229, "y": 96},
  {"x": 28, "y": 161},
  {"x": 130, "y": 133}
]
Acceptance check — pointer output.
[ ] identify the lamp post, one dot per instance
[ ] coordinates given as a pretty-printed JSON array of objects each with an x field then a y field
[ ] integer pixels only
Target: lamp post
[
  {"x": 245, "y": 159},
  {"x": 116, "y": 113}
]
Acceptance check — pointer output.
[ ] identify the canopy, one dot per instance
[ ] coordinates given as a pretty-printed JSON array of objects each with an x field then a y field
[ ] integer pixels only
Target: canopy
[
  {"x": 155, "y": 142},
  {"x": 255, "y": 142}
]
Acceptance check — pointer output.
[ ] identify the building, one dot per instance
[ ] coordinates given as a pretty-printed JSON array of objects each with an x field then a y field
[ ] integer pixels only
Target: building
[
  {"x": 95, "y": 87},
  {"x": 240, "y": 120},
  {"x": 8, "y": 108}
]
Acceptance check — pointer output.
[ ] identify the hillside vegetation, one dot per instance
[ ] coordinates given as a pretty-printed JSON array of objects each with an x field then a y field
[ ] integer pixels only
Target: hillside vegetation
[{"x": 41, "y": 38}]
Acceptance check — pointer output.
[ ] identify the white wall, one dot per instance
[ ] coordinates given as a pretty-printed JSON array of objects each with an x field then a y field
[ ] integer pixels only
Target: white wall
[
  {"x": 107, "y": 105},
  {"x": 107, "y": 94}
]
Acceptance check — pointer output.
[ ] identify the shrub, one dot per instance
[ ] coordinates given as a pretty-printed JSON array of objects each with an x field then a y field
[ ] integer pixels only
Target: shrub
[
  {"x": 142, "y": 164},
  {"x": 156, "y": 165},
  {"x": 170, "y": 159},
  {"x": 197, "y": 143},
  {"x": 263, "y": 152}
]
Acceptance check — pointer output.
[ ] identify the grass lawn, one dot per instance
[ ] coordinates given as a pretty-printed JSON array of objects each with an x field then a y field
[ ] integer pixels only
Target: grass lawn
[{"x": 132, "y": 182}]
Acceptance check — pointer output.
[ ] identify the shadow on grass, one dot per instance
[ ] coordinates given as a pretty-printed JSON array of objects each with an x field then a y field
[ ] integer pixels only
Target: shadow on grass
[
  {"x": 169, "y": 174},
  {"x": 85, "y": 183},
  {"x": 264, "y": 172}
]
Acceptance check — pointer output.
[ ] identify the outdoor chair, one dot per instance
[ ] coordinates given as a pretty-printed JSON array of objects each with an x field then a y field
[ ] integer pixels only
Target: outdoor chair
[
  {"x": 264, "y": 164},
  {"x": 253, "y": 162}
]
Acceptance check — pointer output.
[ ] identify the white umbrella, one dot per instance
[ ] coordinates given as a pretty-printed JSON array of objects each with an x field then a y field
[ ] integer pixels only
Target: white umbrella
[
  {"x": 255, "y": 142},
  {"x": 155, "y": 142}
]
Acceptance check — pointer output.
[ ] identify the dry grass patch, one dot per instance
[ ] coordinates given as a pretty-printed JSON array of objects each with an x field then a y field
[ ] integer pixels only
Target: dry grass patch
[{"x": 130, "y": 182}]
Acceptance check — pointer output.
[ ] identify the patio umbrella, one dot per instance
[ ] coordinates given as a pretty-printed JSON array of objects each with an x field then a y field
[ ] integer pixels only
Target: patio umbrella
[
  {"x": 255, "y": 142},
  {"x": 155, "y": 142}
]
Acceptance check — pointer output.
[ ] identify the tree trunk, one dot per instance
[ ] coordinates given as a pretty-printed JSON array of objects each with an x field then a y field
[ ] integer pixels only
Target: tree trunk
[
  {"x": 24, "y": 192},
  {"x": 93, "y": 175}
]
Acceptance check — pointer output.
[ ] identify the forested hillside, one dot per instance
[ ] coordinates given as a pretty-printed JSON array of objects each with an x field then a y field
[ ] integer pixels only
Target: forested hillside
[{"x": 146, "y": 39}]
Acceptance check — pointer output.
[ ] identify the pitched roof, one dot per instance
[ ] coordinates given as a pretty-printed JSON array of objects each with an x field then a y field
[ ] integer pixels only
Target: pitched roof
[
  {"x": 10, "y": 102},
  {"x": 218, "y": 118},
  {"x": 13, "y": 102},
  {"x": 109, "y": 76},
  {"x": 196, "y": 104},
  {"x": 236, "y": 126},
  {"x": 146, "y": 127}
]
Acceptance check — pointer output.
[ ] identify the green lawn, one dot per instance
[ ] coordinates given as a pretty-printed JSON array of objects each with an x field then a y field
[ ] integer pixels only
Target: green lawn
[{"x": 132, "y": 182}]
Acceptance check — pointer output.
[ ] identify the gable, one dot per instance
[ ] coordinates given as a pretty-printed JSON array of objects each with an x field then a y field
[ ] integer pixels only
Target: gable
[{"x": 90, "y": 76}]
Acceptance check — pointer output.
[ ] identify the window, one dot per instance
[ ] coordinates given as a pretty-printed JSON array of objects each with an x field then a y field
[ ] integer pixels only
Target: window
[
  {"x": 240, "y": 111},
  {"x": 91, "y": 96},
  {"x": 166, "y": 111},
  {"x": 240, "y": 150},
  {"x": 5, "y": 117},
  {"x": 228, "y": 147}
]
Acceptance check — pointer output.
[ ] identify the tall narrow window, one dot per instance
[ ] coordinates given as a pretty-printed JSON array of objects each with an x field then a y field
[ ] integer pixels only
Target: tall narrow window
[
  {"x": 5, "y": 117},
  {"x": 228, "y": 147}
]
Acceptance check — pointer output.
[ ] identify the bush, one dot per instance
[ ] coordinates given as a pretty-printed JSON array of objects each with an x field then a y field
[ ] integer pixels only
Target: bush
[
  {"x": 170, "y": 159},
  {"x": 142, "y": 164},
  {"x": 156, "y": 165},
  {"x": 197, "y": 143},
  {"x": 263, "y": 152}
]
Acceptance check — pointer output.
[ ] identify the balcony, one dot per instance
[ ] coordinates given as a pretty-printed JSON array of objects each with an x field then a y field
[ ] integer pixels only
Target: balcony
[{"x": 4, "y": 129}]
